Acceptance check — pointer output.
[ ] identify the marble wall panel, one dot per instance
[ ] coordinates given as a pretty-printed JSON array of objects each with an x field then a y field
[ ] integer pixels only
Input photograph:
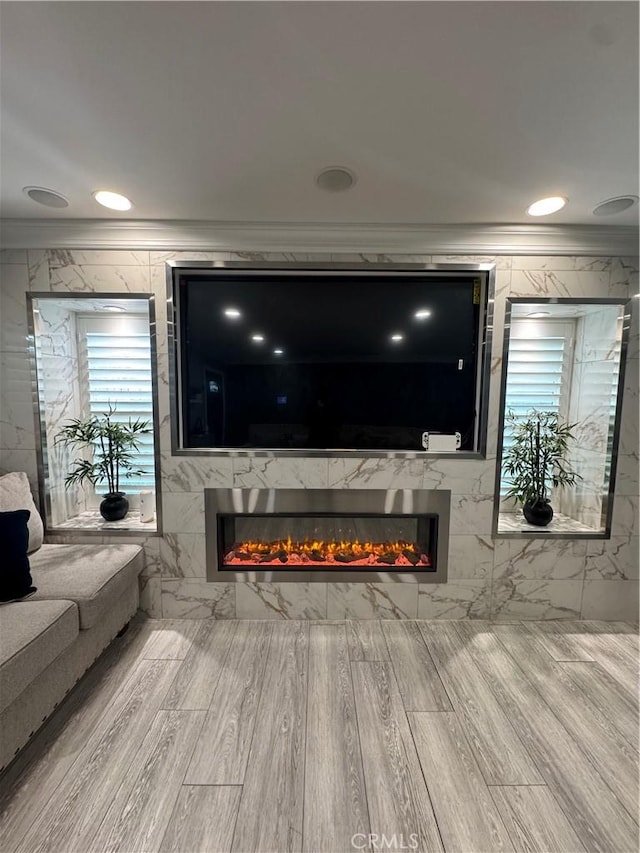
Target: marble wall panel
[
  {"x": 539, "y": 582},
  {"x": 470, "y": 557},
  {"x": 151, "y": 597},
  {"x": 372, "y": 600},
  {"x": 359, "y": 473},
  {"x": 183, "y": 555},
  {"x": 281, "y": 601},
  {"x": 194, "y": 599},
  {"x": 522, "y": 559},
  {"x": 471, "y": 514},
  {"x": 566, "y": 283},
  {"x": 535, "y": 599},
  {"x": 13, "y": 256},
  {"x": 96, "y": 278},
  {"x": 457, "y": 599},
  {"x": 613, "y": 559},
  {"x": 189, "y": 474},
  {"x": 610, "y": 600},
  {"x": 14, "y": 285},
  {"x": 183, "y": 512},
  {"x": 286, "y": 473}
]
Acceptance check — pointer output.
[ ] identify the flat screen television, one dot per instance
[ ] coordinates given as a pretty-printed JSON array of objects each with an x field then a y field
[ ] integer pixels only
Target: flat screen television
[{"x": 322, "y": 360}]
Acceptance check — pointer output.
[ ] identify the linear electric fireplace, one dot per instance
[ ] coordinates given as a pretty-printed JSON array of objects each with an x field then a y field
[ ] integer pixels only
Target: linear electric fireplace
[{"x": 327, "y": 534}]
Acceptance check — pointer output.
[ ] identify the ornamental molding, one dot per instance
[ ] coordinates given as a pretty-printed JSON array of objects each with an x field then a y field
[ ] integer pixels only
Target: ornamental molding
[{"x": 367, "y": 238}]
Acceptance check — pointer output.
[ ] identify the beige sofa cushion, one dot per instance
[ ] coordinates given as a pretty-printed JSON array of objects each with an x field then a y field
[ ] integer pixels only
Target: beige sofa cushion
[
  {"x": 93, "y": 576},
  {"x": 15, "y": 493},
  {"x": 32, "y": 635}
]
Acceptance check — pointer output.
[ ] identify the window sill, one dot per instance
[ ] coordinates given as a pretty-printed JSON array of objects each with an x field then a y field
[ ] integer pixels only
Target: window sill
[
  {"x": 514, "y": 525},
  {"x": 93, "y": 521}
]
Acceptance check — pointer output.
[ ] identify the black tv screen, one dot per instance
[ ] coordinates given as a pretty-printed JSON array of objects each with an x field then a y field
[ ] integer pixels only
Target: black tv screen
[{"x": 324, "y": 360}]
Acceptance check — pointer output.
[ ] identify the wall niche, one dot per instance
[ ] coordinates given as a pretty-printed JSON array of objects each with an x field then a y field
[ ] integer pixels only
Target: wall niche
[{"x": 90, "y": 353}]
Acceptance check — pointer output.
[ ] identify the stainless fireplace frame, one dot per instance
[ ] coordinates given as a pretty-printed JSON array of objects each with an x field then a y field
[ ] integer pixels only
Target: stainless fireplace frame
[{"x": 392, "y": 502}]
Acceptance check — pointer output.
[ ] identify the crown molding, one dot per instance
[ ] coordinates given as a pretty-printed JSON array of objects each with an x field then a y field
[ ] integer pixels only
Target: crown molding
[{"x": 319, "y": 237}]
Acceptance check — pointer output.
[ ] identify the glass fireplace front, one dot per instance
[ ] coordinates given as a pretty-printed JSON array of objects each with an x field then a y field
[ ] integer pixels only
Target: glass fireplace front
[
  {"x": 351, "y": 535},
  {"x": 328, "y": 542}
]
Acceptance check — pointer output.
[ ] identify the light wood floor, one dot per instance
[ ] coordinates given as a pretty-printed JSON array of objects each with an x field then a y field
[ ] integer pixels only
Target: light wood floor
[{"x": 339, "y": 736}]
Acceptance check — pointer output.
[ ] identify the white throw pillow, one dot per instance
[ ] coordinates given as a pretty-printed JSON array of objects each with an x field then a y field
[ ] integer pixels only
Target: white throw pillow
[{"x": 15, "y": 493}]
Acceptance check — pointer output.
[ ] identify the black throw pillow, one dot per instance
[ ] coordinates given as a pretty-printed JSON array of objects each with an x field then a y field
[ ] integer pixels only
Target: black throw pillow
[{"x": 15, "y": 571}]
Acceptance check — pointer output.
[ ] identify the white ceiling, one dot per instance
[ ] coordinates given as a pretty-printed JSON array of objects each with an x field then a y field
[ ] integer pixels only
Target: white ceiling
[{"x": 448, "y": 112}]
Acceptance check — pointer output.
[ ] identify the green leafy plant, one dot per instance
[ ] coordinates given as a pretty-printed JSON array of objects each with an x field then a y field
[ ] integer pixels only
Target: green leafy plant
[
  {"x": 536, "y": 461},
  {"x": 112, "y": 447}
]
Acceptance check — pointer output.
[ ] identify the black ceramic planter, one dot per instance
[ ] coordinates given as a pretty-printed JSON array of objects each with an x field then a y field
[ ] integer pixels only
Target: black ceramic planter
[
  {"x": 114, "y": 506},
  {"x": 538, "y": 512}
]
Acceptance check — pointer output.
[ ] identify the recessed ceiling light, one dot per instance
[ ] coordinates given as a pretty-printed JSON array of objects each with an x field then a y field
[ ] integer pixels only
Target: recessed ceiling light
[
  {"x": 232, "y": 313},
  {"x": 397, "y": 337},
  {"x": 539, "y": 314},
  {"x": 114, "y": 308},
  {"x": 50, "y": 198},
  {"x": 257, "y": 338},
  {"x": 422, "y": 314},
  {"x": 335, "y": 179},
  {"x": 114, "y": 201},
  {"x": 278, "y": 352},
  {"x": 615, "y": 205},
  {"x": 545, "y": 206}
]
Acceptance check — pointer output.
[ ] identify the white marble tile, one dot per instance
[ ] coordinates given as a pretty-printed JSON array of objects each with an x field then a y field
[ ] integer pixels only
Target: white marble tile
[
  {"x": 93, "y": 278},
  {"x": 97, "y": 257},
  {"x": 372, "y": 600},
  {"x": 561, "y": 262},
  {"x": 515, "y": 522},
  {"x": 470, "y": 557},
  {"x": 284, "y": 473},
  {"x": 613, "y": 559},
  {"x": 471, "y": 514},
  {"x": 38, "y": 270},
  {"x": 502, "y": 262},
  {"x": 564, "y": 283},
  {"x": 156, "y": 258},
  {"x": 193, "y": 474},
  {"x": 458, "y": 599},
  {"x": 557, "y": 559},
  {"x": 20, "y": 459},
  {"x": 14, "y": 285},
  {"x": 151, "y": 597},
  {"x": 55, "y": 328},
  {"x": 625, "y": 520},
  {"x": 461, "y": 476},
  {"x": 183, "y": 555},
  {"x": 183, "y": 512},
  {"x": 17, "y": 424},
  {"x": 535, "y": 599},
  {"x": 610, "y": 600},
  {"x": 281, "y": 601},
  {"x": 627, "y": 476},
  {"x": 13, "y": 256},
  {"x": 362, "y": 473},
  {"x": 194, "y": 599},
  {"x": 151, "y": 547}
]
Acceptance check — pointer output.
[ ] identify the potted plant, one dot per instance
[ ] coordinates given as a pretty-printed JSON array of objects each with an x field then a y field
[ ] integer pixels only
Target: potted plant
[
  {"x": 536, "y": 461},
  {"x": 111, "y": 445}
]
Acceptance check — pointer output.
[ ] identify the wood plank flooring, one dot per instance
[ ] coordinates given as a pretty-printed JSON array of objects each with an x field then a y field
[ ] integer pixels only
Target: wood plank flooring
[{"x": 212, "y": 737}]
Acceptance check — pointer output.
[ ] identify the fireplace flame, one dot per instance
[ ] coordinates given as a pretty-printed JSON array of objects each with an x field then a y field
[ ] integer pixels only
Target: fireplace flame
[{"x": 287, "y": 551}]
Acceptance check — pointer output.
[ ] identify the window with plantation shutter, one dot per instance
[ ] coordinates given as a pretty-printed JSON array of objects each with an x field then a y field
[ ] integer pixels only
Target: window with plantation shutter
[
  {"x": 539, "y": 371},
  {"x": 116, "y": 353}
]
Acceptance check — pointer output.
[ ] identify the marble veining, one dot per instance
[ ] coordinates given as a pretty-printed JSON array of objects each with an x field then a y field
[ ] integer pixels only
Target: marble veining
[
  {"x": 189, "y": 599},
  {"x": 281, "y": 600},
  {"x": 92, "y": 520},
  {"x": 535, "y": 599},
  {"x": 458, "y": 599},
  {"x": 372, "y": 601}
]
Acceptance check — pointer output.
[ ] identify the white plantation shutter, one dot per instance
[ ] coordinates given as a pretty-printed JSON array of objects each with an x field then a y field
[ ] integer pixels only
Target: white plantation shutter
[
  {"x": 118, "y": 368},
  {"x": 539, "y": 370}
]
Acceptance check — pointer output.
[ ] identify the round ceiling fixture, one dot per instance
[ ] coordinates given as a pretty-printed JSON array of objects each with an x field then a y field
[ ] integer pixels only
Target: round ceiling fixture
[
  {"x": 114, "y": 201},
  {"x": 539, "y": 314},
  {"x": 335, "y": 179},
  {"x": 50, "y": 198},
  {"x": 545, "y": 206},
  {"x": 615, "y": 205}
]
